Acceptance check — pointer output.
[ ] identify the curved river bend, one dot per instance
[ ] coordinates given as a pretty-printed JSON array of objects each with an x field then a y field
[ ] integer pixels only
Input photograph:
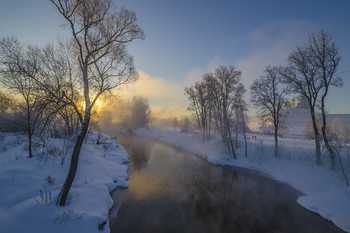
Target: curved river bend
[{"x": 173, "y": 191}]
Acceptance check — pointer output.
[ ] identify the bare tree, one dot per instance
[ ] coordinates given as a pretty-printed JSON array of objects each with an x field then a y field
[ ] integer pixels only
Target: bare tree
[
  {"x": 5, "y": 102},
  {"x": 201, "y": 106},
  {"x": 126, "y": 114},
  {"x": 268, "y": 95},
  {"x": 14, "y": 55},
  {"x": 241, "y": 113},
  {"x": 301, "y": 76},
  {"x": 226, "y": 90},
  {"x": 186, "y": 125},
  {"x": 140, "y": 112},
  {"x": 175, "y": 123},
  {"x": 59, "y": 73},
  {"x": 326, "y": 57},
  {"x": 99, "y": 37}
]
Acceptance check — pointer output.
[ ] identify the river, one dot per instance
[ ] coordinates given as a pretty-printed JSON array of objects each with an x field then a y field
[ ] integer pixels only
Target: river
[{"x": 174, "y": 191}]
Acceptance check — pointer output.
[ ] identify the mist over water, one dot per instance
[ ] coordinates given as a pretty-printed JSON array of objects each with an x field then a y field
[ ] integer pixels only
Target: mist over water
[{"x": 173, "y": 191}]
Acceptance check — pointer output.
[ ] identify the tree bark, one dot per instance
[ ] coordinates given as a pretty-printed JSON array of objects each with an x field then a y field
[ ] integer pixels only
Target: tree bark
[
  {"x": 317, "y": 137},
  {"x": 230, "y": 139},
  {"x": 236, "y": 142},
  {"x": 324, "y": 134},
  {"x": 276, "y": 140},
  {"x": 62, "y": 197},
  {"x": 245, "y": 139},
  {"x": 30, "y": 144},
  {"x": 29, "y": 131}
]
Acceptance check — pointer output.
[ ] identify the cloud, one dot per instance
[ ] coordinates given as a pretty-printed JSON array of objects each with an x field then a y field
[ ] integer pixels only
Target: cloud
[
  {"x": 163, "y": 96},
  {"x": 196, "y": 74},
  {"x": 271, "y": 45},
  {"x": 166, "y": 99},
  {"x": 170, "y": 112},
  {"x": 268, "y": 45}
]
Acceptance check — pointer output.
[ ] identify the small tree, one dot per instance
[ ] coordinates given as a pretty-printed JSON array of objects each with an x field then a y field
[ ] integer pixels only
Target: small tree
[
  {"x": 140, "y": 112},
  {"x": 268, "y": 95},
  {"x": 7, "y": 106},
  {"x": 201, "y": 106},
  {"x": 5, "y": 102},
  {"x": 175, "y": 123},
  {"x": 186, "y": 126}
]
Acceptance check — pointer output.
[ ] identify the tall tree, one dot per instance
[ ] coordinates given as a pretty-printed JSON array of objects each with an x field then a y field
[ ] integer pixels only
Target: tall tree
[
  {"x": 326, "y": 57},
  {"x": 226, "y": 90},
  {"x": 241, "y": 109},
  {"x": 301, "y": 76},
  {"x": 99, "y": 33},
  {"x": 268, "y": 95}
]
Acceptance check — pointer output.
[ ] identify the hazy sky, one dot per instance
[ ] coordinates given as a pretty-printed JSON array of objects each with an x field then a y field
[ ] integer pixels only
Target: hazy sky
[{"x": 187, "y": 38}]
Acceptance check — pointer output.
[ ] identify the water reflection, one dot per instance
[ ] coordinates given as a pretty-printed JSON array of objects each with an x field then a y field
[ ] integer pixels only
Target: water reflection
[
  {"x": 140, "y": 151},
  {"x": 172, "y": 191}
]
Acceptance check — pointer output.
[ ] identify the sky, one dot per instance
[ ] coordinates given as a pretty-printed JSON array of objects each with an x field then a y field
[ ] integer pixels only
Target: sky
[{"x": 186, "y": 39}]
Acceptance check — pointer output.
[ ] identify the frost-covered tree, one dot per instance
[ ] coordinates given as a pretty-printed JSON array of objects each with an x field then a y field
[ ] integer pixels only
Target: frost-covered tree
[
  {"x": 301, "y": 76},
  {"x": 186, "y": 125},
  {"x": 14, "y": 60},
  {"x": 268, "y": 95},
  {"x": 99, "y": 35},
  {"x": 216, "y": 99},
  {"x": 226, "y": 91},
  {"x": 140, "y": 112},
  {"x": 241, "y": 109},
  {"x": 175, "y": 123},
  {"x": 201, "y": 106},
  {"x": 5, "y": 102},
  {"x": 311, "y": 71},
  {"x": 126, "y": 114},
  {"x": 326, "y": 57}
]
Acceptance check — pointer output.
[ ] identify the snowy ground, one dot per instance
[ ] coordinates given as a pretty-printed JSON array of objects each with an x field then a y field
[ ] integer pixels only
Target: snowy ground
[
  {"x": 325, "y": 190},
  {"x": 28, "y": 187}
]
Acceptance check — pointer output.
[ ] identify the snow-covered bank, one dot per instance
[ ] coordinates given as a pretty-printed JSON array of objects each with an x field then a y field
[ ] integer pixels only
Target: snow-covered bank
[
  {"x": 325, "y": 190},
  {"x": 28, "y": 187}
]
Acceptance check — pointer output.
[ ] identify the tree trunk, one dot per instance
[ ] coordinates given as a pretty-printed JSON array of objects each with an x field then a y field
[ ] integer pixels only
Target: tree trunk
[
  {"x": 324, "y": 134},
  {"x": 276, "y": 140},
  {"x": 317, "y": 137},
  {"x": 236, "y": 143},
  {"x": 245, "y": 140},
  {"x": 29, "y": 132},
  {"x": 230, "y": 140},
  {"x": 30, "y": 144},
  {"x": 62, "y": 197}
]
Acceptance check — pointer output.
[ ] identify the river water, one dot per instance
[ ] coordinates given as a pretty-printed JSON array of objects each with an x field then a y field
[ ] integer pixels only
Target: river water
[{"x": 174, "y": 191}]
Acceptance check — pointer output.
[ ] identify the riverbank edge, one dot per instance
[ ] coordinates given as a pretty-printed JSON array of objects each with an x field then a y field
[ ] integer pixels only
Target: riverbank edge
[{"x": 30, "y": 196}]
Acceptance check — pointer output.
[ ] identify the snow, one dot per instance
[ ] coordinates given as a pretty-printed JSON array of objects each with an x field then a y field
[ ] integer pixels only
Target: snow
[
  {"x": 29, "y": 187},
  {"x": 324, "y": 190},
  {"x": 121, "y": 183},
  {"x": 333, "y": 205}
]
